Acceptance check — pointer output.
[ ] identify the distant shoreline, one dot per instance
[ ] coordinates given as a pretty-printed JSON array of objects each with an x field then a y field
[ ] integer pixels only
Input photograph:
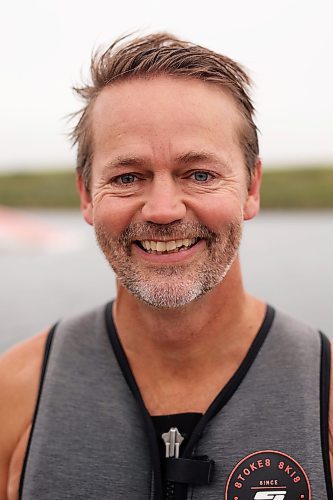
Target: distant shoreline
[{"x": 283, "y": 188}]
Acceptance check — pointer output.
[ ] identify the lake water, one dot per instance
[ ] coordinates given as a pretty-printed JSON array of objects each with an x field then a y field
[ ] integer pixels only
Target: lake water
[{"x": 286, "y": 259}]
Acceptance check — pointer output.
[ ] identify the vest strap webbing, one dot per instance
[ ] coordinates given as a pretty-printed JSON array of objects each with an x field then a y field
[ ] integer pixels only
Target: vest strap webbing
[{"x": 189, "y": 470}]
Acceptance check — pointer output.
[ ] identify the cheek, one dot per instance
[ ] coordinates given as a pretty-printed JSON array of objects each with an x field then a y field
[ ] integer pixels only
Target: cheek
[
  {"x": 214, "y": 211},
  {"x": 114, "y": 214},
  {"x": 219, "y": 211}
]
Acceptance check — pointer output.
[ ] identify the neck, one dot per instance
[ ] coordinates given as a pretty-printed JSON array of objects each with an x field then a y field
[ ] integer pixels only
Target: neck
[
  {"x": 168, "y": 345},
  {"x": 188, "y": 333}
]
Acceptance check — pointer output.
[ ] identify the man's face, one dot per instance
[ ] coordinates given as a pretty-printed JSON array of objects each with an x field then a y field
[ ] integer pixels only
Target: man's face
[{"x": 169, "y": 188}]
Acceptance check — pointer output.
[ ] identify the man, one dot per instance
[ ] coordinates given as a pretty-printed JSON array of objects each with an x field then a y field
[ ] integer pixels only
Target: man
[{"x": 185, "y": 386}]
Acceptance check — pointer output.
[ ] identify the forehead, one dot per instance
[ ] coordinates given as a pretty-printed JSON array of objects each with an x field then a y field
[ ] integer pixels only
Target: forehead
[{"x": 164, "y": 112}]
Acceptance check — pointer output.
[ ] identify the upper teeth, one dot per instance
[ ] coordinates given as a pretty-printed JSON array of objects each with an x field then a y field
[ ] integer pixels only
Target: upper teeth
[{"x": 163, "y": 246}]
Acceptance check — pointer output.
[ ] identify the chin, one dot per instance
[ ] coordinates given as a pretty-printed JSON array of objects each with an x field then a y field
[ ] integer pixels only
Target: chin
[{"x": 176, "y": 293}]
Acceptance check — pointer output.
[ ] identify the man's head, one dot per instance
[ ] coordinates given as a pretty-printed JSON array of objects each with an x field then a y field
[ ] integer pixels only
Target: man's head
[
  {"x": 168, "y": 181},
  {"x": 157, "y": 55}
]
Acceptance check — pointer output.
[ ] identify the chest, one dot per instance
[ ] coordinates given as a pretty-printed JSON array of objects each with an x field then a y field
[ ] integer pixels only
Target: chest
[{"x": 93, "y": 436}]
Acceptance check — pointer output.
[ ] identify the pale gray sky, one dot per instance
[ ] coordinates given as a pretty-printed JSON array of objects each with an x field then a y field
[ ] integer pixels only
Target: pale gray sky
[{"x": 286, "y": 46}]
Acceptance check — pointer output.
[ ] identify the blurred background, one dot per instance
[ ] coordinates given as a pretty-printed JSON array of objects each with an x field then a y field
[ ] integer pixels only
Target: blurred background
[{"x": 49, "y": 263}]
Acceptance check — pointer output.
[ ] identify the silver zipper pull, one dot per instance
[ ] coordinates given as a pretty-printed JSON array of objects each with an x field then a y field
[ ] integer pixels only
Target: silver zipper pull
[{"x": 172, "y": 439}]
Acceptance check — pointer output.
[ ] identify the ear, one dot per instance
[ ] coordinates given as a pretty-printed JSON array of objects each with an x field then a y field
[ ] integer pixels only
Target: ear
[
  {"x": 252, "y": 203},
  {"x": 85, "y": 200}
]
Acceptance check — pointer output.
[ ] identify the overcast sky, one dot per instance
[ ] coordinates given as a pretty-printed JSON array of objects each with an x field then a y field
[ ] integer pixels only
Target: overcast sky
[{"x": 286, "y": 45}]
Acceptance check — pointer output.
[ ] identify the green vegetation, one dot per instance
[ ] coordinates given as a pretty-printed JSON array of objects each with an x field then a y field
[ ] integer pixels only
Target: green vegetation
[
  {"x": 299, "y": 188},
  {"x": 39, "y": 189},
  {"x": 287, "y": 189}
]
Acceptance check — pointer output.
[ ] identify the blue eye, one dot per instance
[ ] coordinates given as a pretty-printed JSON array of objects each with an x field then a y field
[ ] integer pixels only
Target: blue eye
[
  {"x": 201, "y": 176},
  {"x": 126, "y": 179}
]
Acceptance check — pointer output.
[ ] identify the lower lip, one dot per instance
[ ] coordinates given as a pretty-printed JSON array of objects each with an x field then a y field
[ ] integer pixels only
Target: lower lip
[{"x": 169, "y": 258}]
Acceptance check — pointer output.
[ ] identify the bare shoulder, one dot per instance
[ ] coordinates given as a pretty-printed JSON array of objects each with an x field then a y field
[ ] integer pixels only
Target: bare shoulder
[{"x": 20, "y": 369}]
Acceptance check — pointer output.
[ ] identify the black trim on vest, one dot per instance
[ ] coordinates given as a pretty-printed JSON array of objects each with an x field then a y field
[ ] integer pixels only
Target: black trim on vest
[
  {"x": 325, "y": 375},
  {"x": 221, "y": 399},
  {"x": 149, "y": 426},
  {"x": 230, "y": 388},
  {"x": 41, "y": 383}
]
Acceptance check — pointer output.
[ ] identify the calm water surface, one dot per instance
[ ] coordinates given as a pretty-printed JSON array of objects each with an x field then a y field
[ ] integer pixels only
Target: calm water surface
[{"x": 286, "y": 259}]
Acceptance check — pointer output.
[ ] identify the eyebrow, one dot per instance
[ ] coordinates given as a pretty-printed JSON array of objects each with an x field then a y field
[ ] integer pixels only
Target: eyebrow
[
  {"x": 191, "y": 157},
  {"x": 198, "y": 156},
  {"x": 125, "y": 161}
]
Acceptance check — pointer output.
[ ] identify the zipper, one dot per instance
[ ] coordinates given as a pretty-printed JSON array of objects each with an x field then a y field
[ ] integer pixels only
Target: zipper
[
  {"x": 169, "y": 490},
  {"x": 172, "y": 440}
]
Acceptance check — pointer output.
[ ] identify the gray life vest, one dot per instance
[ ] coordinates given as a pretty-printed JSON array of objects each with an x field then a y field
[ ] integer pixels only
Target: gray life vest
[{"x": 266, "y": 432}]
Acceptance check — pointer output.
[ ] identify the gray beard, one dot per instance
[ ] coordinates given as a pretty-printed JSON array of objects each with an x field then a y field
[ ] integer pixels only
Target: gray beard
[{"x": 171, "y": 286}]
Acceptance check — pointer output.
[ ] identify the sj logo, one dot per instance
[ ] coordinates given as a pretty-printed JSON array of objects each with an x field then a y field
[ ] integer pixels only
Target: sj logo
[{"x": 270, "y": 495}]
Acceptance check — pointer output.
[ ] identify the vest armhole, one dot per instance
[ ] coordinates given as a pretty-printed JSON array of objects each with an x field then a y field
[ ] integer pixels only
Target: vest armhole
[
  {"x": 325, "y": 374},
  {"x": 41, "y": 383}
]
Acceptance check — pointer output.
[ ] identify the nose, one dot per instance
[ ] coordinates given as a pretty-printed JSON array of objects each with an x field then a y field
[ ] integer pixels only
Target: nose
[{"x": 164, "y": 203}]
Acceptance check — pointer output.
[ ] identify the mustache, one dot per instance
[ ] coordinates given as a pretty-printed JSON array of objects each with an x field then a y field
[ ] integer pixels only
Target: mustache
[{"x": 176, "y": 230}]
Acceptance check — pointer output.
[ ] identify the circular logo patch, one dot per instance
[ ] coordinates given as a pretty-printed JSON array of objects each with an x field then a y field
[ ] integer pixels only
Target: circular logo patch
[{"x": 268, "y": 475}]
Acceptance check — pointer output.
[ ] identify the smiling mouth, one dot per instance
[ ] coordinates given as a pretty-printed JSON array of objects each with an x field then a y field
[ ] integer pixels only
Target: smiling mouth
[{"x": 166, "y": 247}]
